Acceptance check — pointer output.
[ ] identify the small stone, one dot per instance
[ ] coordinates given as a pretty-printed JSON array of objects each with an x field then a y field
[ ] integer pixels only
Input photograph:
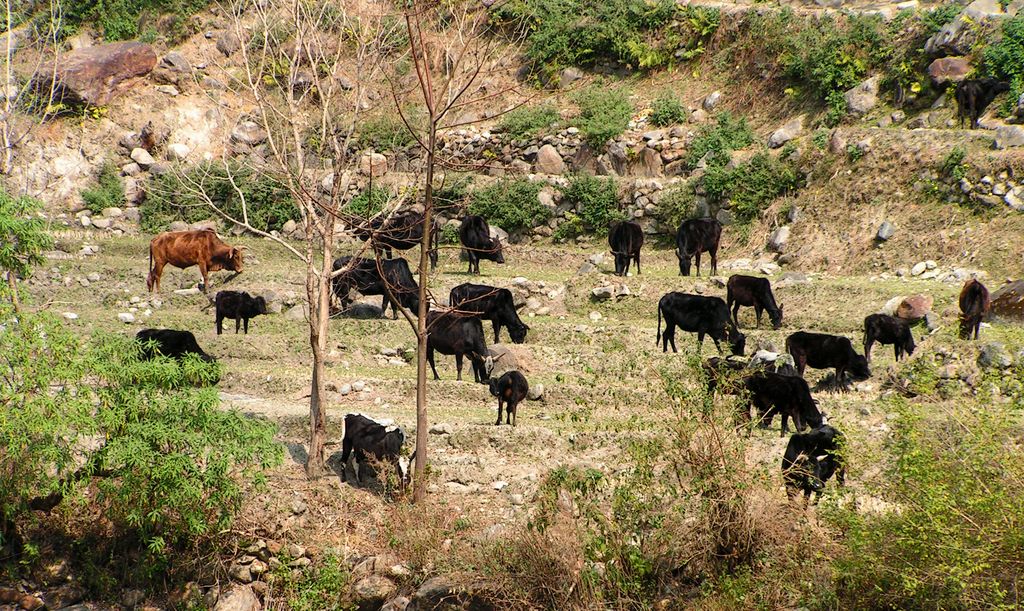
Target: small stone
[
  {"x": 441, "y": 428},
  {"x": 177, "y": 151},
  {"x": 535, "y": 392},
  {"x": 358, "y": 386},
  {"x": 142, "y": 157},
  {"x": 994, "y": 355},
  {"x": 595, "y": 316},
  {"x": 777, "y": 241},
  {"x": 101, "y": 223},
  {"x": 298, "y": 507},
  {"x": 70, "y": 316},
  {"x": 885, "y": 231},
  {"x": 112, "y": 212},
  {"x": 294, "y": 550},
  {"x": 712, "y": 100},
  {"x": 240, "y": 573},
  {"x": 126, "y": 317},
  {"x": 170, "y": 90},
  {"x": 602, "y": 293},
  {"x": 85, "y": 221},
  {"x": 516, "y": 499},
  {"x": 499, "y": 485},
  {"x": 918, "y": 269}
]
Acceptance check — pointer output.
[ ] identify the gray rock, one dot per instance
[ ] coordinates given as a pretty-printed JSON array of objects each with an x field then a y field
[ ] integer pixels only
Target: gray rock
[
  {"x": 712, "y": 100},
  {"x": 1009, "y": 135},
  {"x": 240, "y": 573},
  {"x": 248, "y": 132},
  {"x": 787, "y": 132},
  {"x": 918, "y": 269},
  {"x": 503, "y": 358},
  {"x": 602, "y": 293},
  {"x": 101, "y": 223},
  {"x": 399, "y": 603},
  {"x": 126, "y": 317},
  {"x": 178, "y": 226},
  {"x": 177, "y": 151},
  {"x": 299, "y": 312},
  {"x": 535, "y": 392},
  {"x": 586, "y": 268},
  {"x": 994, "y": 355},
  {"x": 777, "y": 241},
  {"x": 371, "y": 591},
  {"x": 373, "y": 164},
  {"x": 441, "y": 428},
  {"x": 238, "y": 598},
  {"x": 228, "y": 44},
  {"x": 209, "y": 82},
  {"x": 568, "y": 76},
  {"x": 132, "y": 598},
  {"x": 549, "y": 161},
  {"x": 885, "y": 231},
  {"x": 724, "y": 217},
  {"x": 142, "y": 157},
  {"x": 862, "y": 98}
]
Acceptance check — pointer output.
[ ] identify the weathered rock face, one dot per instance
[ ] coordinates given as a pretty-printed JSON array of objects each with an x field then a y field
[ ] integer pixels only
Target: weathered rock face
[
  {"x": 238, "y": 598},
  {"x": 549, "y": 161},
  {"x": 1009, "y": 135},
  {"x": 787, "y": 132},
  {"x": 958, "y": 36},
  {"x": 914, "y": 307},
  {"x": 862, "y": 98},
  {"x": 1008, "y": 301},
  {"x": 95, "y": 75},
  {"x": 949, "y": 70}
]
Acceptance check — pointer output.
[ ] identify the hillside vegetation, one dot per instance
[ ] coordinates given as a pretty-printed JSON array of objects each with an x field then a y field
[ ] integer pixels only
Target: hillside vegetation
[{"x": 826, "y": 140}]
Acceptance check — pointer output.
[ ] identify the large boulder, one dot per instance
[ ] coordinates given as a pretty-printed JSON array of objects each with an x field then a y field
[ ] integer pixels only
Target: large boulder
[
  {"x": 95, "y": 75},
  {"x": 787, "y": 132},
  {"x": 238, "y": 598},
  {"x": 777, "y": 241},
  {"x": 1008, "y": 301},
  {"x": 549, "y": 161},
  {"x": 1009, "y": 135},
  {"x": 862, "y": 98},
  {"x": 959, "y": 36},
  {"x": 914, "y": 307},
  {"x": 949, "y": 70}
]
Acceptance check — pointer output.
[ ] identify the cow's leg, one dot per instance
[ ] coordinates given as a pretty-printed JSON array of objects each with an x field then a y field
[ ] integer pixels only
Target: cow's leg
[
  {"x": 246, "y": 326},
  {"x": 514, "y": 408},
  {"x": 714, "y": 261},
  {"x": 757, "y": 313},
  {"x": 458, "y": 366},
  {"x": 220, "y": 324},
  {"x": 785, "y": 422},
  {"x": 896, "y": 351},
  {"x": 346, "y": 452},
  {"x": 498, "y": 421},
  {"x": 696, "y": 259},
  {"x": 238, "y": 324},
  {"x": 869, "y": 341},
  {"x": 430, "y": 359},
  {"x": 497, "y": 330},
  {"x": 672, "y": 339},
  {"x": 637, "y": 259},
  {"x": 736, "y": 313},
  {"x": 204, "y": 272},
  {"x": 801, "y": 364},
  {"x": 841, "y": 379}
]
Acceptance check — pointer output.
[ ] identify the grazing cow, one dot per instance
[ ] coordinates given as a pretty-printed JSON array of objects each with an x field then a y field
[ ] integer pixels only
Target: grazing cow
[
  {"x": 974, "y": 95},
  {"x": 788, "y": 396},
  {"x": 700, "y": 315},
  {"x": 625, "y": 239},
  {"x": 183, "y": 249},
  {"x": 750, "y": 291},
  {"x": 453, "y": 333},
  {"x": 170, "y": 342},
  {"x": 239, "y": 307},
  {"x": 511, "y": 387},
  {"x": 475, "y": 235},
  {"x": 694, "y": 237},
  {"x": 723, "y": 373},
  {"x": 811, "y": 459},
  {"x": 393, "y": 280},
  {"x": 886, "y": 329},
  {"x": 974, "y": 305},
  {"x": 821, "y": 351},
  {"x": 400, "y": 232},
  {"x": 490, "y": 303},
  {"x": 368, "y": 438}
]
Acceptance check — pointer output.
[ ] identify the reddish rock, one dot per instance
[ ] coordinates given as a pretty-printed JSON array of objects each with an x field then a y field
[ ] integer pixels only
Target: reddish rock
[
  {"x": 949, "y": 70},
  {"x": 1008, "y": 301},
  {"x": 95, "y": 75},
  {"x": 914, "y": 307}
]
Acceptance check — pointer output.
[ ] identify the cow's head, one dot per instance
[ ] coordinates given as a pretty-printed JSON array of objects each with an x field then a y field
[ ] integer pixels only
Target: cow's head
[
  {"x": 684, "y": 263},
  {"x": 261, "y": 305},
  {"x": 776, "y": 318},
  {"x": 859, "y": 368},
  {"x": 518, "y": 333},
  {"x": 737, "y": 341},
  {"x": 496, "y": 250},
  {"x": 805, "y": 474},
  {"x": 234, "y": 259}
]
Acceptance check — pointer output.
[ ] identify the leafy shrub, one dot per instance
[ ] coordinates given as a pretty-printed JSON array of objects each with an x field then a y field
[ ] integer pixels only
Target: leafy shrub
[
  {"x": 369, "y": 201},
  {"x": 677, "y": 204},
  {"x": 182, "y": 196},
  {"x": 953, "y": 523},
  {"x": 953, "y": 165},
  {"x": 726, "y": 135},
  {"x": 511, "y": 204},
  {"x": 108, "y": 192},
  {"x": 120, "y": 19},
  {"x": 595, "y": 200},
  {"x": 528, "y": 121},
  {"x": 449, "y": 234},
  {"x": 169, "y": 466},
  {"x": 453, "y": 192},
  {"x": 384, "y": 132},
  {"x": 1004, "y": 60},
  {"x": 604, "y": 114},
  {"x": 562, "y": 33},
  {"x": 751, "y": 186},
  {"x": 935, "y": 19},
  {"x": 570, "y": 227},
  {"x": 833, "y": 55},
  {"x": 667, "y": 110},
  {"x": 23, "y": 236}
]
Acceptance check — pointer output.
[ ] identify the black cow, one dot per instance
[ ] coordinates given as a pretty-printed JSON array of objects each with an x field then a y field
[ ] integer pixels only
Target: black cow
[
  {"x": 368, "y": 438},
  {"x": 811, "y": 459},
  {"x": 974, "y": 95},
  {"x": 490, "y": 303},
  {"x": 886, "y": 329},
  {"x": 724, "y": 374},
  {"x": 821, "y": 351},
  {"x": 694, "y": 237},
  {"x": 239, "y": 307},
  {"x": 751, "y": 291},
  {"x": 401, "y": 232},
  {"x": 974, "y": 305},
  {"x": 170, "y": 342},
  {"x": 700, "y": 315},
  {"x": 626, "y": 239},
  {"x": 475, "y": 235},
  {"x": 788, "y": 396},
  {"x": 396, "y": 283},
  {"x": 453, "y": 333},
  {"x": 511, "y": 387}
]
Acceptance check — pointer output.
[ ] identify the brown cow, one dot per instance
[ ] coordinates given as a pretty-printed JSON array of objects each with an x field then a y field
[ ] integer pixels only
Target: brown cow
[
  {"x": 974, "y": 306},
  {"x": 183, "y": 249}
]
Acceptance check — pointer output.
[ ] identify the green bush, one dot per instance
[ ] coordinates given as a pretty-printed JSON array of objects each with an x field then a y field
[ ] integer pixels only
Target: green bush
[
  {"x": 834, "y": 54},
  {"x": 452, "y": 193},
  {"x": 595, "y": 200},
  {"x": 23, "y": 235},
  {"x": 726, "y": 135},
  {"x": 449, "y": 234},
  {"x": 950, "y": 535},
  {"x": 604, "y": 114},
  {"x": 666, "y": 110},
  {"x": 752, "y": 186},
  {"x": 108, "y": 192},
  {"x": 384, "y": 132},
  {"x": 953, "y": 165},
  {"x": 120, "y": 19},
  {"x": 935, "y": 19},
  {"x": 677, "y": 204},
  {"x": 132, "y": 440},
  {"x": 570, "y": 227},
  {"x": 1004, "y": 60},
  {"x": 180, "y": 196},
  {"x": 529, "y": 121},
  {"x": 510, "y": 204},
  {"x": 369, "y": 202}
]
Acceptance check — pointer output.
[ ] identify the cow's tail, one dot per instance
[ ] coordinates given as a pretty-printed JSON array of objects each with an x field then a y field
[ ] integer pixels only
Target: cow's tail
[
  {"x": 149, "y": 276},
  {"x": 658, "y": 340}
]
